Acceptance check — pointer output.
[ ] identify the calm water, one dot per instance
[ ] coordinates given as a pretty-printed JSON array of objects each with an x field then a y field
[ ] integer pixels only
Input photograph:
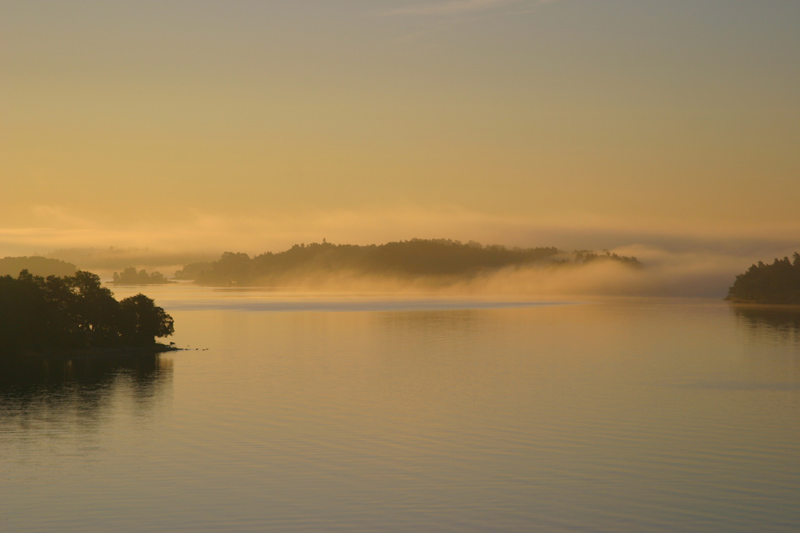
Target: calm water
[{"x": 302, "y": 412}]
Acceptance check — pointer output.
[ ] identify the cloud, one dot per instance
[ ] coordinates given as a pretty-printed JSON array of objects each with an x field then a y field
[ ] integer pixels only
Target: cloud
[
  {"x": 454, "y": 6},
  {"x": 58, "y": 227},
  {"x": 58, "y": 216}
]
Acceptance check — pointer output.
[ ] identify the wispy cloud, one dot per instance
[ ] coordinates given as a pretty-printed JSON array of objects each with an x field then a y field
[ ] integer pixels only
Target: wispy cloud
[
  {"x": 454, "y": 6},
  {"x": 58, "y": 216}
]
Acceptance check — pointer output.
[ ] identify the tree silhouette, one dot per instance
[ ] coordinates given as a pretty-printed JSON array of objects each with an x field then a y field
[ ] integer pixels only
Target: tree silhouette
[
  {"x": 38, "y": 314},
  {"x": 130, "y": 276},
  {"x": 141, "y": 321},
  {"x": 435, "y": 259},
  {"x": 778, "y": 283}
]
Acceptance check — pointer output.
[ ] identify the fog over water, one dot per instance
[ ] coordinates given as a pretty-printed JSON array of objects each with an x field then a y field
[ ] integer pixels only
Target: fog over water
[
  {"x": 680, "y": 263},
  {"x": 693, "y": 271}
]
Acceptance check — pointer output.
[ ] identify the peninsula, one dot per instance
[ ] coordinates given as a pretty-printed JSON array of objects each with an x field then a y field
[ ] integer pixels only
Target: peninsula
[
  {"x": 776, "y": 283},
  {"x": 77, "y": 315}
]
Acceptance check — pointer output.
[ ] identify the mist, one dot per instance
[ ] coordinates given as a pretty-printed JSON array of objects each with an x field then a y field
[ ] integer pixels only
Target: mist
[
  {"x": 105, "y": 261},
  {"x": 678, "y": 259},
  {"x": 666, "y": 274}
]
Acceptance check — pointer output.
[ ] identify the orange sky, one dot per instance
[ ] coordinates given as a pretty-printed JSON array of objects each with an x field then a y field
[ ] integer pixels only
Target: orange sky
[{"x": 252, "y": 125}]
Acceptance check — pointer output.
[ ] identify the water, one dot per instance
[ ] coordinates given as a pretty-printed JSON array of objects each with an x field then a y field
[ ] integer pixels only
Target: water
[{"x": 309, "y": 412}]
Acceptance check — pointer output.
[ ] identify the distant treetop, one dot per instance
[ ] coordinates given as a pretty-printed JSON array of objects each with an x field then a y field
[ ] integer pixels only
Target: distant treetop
[
  {"x": 74, "y": 312},
  {"x": 778, "y": 283},
  {"x": 439, "y": 259},
  {"x": 36, "y": 265},
  {"x": 130, "y": 276}
]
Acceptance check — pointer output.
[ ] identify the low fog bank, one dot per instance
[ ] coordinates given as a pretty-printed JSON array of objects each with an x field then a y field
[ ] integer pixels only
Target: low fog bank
[
  {"x": 105, "y": 261},
  {"x": 679, "y": 258},
  {"x": 684, "y": 273},
  {"x": 663, "y": 273},
  {"x": 701, "y": 279}
]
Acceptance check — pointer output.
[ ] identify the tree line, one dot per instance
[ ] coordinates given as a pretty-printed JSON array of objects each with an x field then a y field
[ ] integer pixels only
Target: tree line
[
  {"x": 431, "y": 258},
  {"x": 131, "y": 276},
  {"x": 40, "y": 314},
  {"x": 42, "y": 266},
  {"x": 776, "y": 283}
]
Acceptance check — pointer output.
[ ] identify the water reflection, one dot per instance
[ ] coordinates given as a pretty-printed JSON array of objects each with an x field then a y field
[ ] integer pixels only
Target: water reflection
[
  {"x": 450, "y": 325},
  {"x": 783, "y": 321},
  {"x": 770, "y": 348},
  {"x": 46, "y": 392},
  {"x": 491, "y": 419}
]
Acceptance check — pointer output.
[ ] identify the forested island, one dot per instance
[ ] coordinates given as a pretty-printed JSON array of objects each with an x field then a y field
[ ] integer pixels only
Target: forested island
[
  {"x": 776, "y": 283},
  {"x": 131, "y": 276},
  {"x": 437, "y": 260},
  {"x": 75, "y": 314},
  {"x": 37, "y": 265}
]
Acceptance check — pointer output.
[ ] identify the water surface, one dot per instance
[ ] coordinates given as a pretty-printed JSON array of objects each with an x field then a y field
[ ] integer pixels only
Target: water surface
[{"x": 369, "y": 412}]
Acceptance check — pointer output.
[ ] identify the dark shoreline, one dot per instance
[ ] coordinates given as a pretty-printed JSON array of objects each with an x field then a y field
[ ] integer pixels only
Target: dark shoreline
[
  {"x": 761, "y": 303},
  {"x": 115, "y": 352}
]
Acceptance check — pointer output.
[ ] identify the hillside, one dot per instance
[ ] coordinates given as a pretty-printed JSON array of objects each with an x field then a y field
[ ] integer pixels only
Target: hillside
[
  {"x": 437, "y": 260},
  {"x": 38, "y": 266}
]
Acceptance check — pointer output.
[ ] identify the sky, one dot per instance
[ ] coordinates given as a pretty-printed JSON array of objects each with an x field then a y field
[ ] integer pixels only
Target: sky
[{"x": 252, "y": 125}]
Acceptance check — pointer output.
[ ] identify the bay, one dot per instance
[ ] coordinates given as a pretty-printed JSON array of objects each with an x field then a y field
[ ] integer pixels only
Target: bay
[{"x": 303, "y": 411}]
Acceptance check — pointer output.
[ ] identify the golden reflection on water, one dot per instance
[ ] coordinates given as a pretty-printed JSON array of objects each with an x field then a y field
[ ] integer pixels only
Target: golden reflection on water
[
  {"x": 85, "y": 391},
  {"x": 783, "y": 321},
  {"x": 614, "y": 414},
  {"x": 771, "y": 341}
]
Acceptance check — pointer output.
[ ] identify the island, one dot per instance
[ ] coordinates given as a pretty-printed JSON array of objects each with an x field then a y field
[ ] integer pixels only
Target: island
[
  {"x": 435, "y": 262},
  {"x": 38, "y": 265},
  {"x": 777, "y": 283},
  {"x": 76, "y": 315},
  {"x": 130, "y": 276}
]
